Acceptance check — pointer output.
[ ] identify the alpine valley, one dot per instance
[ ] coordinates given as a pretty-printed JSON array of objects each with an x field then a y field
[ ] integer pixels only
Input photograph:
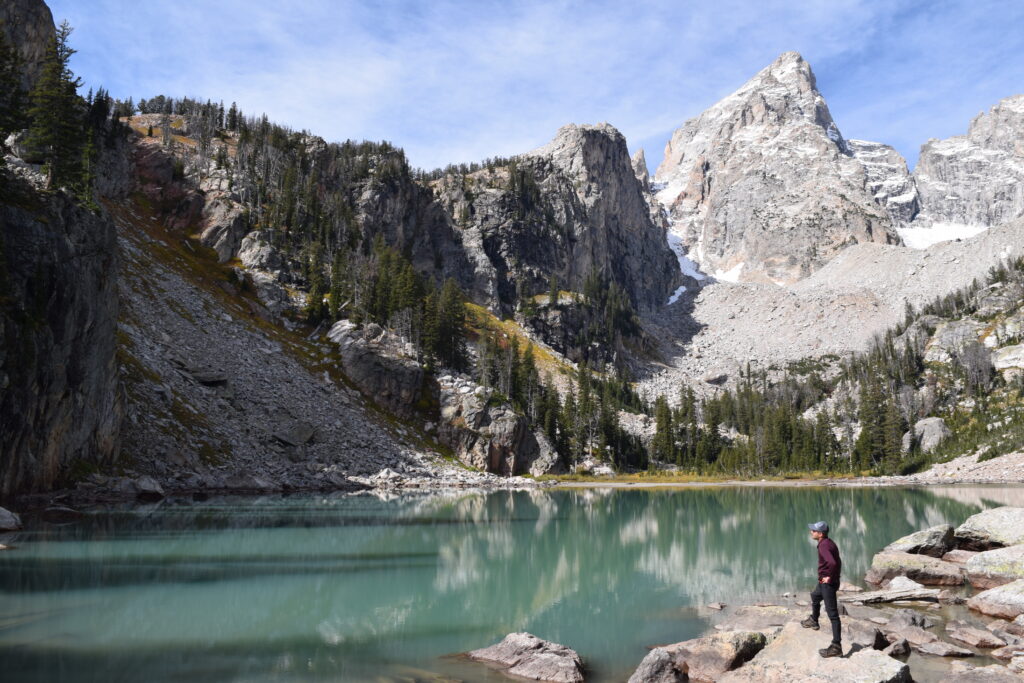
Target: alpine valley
[{"x": 195, "y": 298}]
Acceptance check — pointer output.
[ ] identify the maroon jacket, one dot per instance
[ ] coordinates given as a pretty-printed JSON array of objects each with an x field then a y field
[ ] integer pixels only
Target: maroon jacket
[{"x": 829, "y": 563}]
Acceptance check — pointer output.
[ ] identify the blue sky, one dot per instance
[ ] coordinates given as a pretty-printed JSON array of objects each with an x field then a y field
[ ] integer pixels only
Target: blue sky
[{"x": 460, "y": 81}]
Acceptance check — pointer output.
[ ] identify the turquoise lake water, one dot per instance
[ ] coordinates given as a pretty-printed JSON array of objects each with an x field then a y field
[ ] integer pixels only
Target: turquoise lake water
[{"x": 354, "y": 588}]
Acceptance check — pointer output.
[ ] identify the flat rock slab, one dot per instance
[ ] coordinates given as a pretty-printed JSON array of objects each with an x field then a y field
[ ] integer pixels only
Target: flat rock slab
[
  {"x": 993, "y": 568},
  {"x": 877, "y": 597},
  {"x": 995, "y": 528},
  {"x": 709, "y": 657},
  {"x": 934, "y": 542},
  {"x": 793, "y": 656},
  {"x": 1005, "y": 602},
  {"x": 767, "y": 619},
  {"x": 923, "y": 569},
  {"x": 528, "y": 656},
  {"x": 659, "y": 667}
]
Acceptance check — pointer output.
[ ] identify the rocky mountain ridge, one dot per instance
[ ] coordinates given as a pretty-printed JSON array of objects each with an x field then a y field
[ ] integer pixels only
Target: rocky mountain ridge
[{"x": 762, "y": 187}]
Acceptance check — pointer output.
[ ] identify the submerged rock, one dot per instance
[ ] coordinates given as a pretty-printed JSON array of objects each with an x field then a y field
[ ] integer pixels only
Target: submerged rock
[
  {"x": 993, "y": 528},
  {"x": 528, "y": 656},
  {"x": 986, "y": 674},
  {"x": 935, "y": 542},
  {"x": 993, "y": 568},
  {"x": 659, "y": 667}
]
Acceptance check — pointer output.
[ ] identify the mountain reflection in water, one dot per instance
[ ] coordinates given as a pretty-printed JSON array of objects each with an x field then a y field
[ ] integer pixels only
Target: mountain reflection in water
[{"x": 308, "y": 588}]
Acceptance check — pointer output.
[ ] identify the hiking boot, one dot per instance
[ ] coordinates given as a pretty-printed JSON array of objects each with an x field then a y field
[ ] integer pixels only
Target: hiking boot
[
  {"x": 809, "y": 623},
  {"x": 833, "y": 650}
]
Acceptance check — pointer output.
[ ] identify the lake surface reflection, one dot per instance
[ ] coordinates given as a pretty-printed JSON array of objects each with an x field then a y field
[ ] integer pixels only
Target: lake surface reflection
[{"x": 305, "y": 588}]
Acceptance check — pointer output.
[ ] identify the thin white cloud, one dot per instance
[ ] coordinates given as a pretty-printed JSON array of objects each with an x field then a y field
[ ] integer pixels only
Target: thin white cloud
[{"x": 456, "y": 81}]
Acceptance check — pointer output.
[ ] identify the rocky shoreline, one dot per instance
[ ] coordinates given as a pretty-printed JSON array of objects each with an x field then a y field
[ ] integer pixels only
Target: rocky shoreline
[{"x": 947, "y": 606}]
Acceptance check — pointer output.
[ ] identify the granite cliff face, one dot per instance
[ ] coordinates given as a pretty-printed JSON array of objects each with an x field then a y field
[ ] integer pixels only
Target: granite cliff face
[
  {"x": 569, "y": 208},
  {"x": 977, "y": 178},
  {"x": 28, "y": 26},
  {"x": 763, "y": 187},
  {"x": 888, "y": 180},
  {"x": 60, "y": 407}
]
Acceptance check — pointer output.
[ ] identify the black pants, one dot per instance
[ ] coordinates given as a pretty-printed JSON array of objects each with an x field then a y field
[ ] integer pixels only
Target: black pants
[{"x": 827, "y": 592}]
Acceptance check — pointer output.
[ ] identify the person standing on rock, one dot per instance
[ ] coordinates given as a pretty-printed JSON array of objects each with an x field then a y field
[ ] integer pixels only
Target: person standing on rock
[{"x": 829, "y": 566}]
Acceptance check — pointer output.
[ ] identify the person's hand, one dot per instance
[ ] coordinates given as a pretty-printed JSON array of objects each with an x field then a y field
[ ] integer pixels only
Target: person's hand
[{"x": 825, "y": 580}]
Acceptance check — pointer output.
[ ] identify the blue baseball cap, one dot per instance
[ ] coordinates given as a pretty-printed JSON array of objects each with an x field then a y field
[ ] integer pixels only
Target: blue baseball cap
[{"x": 819, "y": 526}]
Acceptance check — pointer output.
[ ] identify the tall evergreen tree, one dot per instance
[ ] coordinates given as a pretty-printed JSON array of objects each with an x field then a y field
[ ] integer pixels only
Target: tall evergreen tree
[{"x": 56, "y": 118}]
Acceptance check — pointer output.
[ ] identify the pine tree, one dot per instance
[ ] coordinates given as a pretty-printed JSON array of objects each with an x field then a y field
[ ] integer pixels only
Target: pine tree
[
  {"x": 56, "y": 117},
  {"x": 451, "y": 334},
  {"x": 663, "y": 445}
]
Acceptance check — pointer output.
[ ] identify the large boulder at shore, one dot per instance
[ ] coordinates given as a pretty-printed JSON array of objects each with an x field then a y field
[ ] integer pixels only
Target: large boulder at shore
[
  {"x": 793, "y": 656},
  {"x": 993, "y": 528},
  {"x": 9, "y": 521},
  {"x": 709, "y": 657},
  {"x": 527, "y": 656},
  {"x": 1005, "y": 602},
  {"x": 935, "y": 542},
  {"x": 921, "y": 568},
  {"x": 659, "y": 667},
  {"x": 993, "y": 568}
]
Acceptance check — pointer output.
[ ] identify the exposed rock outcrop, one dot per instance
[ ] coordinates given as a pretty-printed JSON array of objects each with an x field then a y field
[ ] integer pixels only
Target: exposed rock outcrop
[
  {"x": 929, "y": 433},
  {"x": 888, "y": 179},
  {"x": 567, "y": 209},
  {"x": 490, "y": 435},
  {"x": 793, "y": 655},
  {"x": 28, "y": 26},
  {"x": 381, "y": 365},
  {"x": 763, "y": 187},
  {"x": 709, "y": 657},
  {"x": 59, "y": 406},
  {"x": 977, "y": 178},
  {"x": 9, "y": 521}
]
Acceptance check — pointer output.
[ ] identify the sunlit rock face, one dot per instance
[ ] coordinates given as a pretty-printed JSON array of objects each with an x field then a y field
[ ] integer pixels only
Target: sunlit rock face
[
  {"x": 977, "y": 178},
  {"x": 763, "y": 187},
  {"x": 565, "y": 210}
]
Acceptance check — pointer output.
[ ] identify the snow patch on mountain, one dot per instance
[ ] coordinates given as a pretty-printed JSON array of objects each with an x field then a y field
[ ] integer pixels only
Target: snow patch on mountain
[{"x": 924, "y": 237}]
